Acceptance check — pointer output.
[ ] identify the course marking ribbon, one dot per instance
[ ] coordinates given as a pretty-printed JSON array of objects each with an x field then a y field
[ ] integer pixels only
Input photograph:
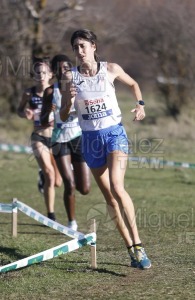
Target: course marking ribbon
[
  {"x": 15, "y": 148},
  {"x": 6, "y": 208},
  {"x": 48, "y": 222},
  {"x": 155, "y": 162},
  {"x": 151, "y": 161},
  {"x": 50, "y": 253}
]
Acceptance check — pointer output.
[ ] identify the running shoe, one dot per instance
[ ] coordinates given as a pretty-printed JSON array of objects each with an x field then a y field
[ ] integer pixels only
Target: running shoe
[
  {"x": 51, "y": 216},
  {"x": 133, "y": 263},
  {"x": 143, "y": 261},
  {"x": 73, "y": 225}
]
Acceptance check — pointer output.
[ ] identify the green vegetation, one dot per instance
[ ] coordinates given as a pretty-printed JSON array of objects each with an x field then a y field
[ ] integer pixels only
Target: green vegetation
[
  {"x": 164, "y": 202},
  {"x": 165, "y": 214}
]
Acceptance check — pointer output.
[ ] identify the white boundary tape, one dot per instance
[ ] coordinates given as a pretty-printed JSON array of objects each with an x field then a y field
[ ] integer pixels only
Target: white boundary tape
[
  {"x": 50, "y": 253},
  {"x": 6, "y": 208},
  {"x": 46, "y": 221},
  {"x": 160, "y": 163},
  {"x": 78, "y": 242},
  {"x": 13, "y": 209},
  {"x": 15, "y": 148},
  {"x": 147, "y": 160}
]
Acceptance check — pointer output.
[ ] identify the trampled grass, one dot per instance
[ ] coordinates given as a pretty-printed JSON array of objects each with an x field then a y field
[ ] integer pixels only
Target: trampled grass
[
  {"x": 164, "y": 202},
  {"x": 165, "y": 210}
]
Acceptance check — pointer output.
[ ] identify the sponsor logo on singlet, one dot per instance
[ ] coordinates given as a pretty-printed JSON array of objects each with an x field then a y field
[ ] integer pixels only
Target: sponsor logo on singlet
[{"x": 96, "y": 108}]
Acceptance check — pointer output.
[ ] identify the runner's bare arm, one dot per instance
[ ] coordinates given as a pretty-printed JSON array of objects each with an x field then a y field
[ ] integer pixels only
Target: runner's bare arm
[{"x": 68, "y": 91}]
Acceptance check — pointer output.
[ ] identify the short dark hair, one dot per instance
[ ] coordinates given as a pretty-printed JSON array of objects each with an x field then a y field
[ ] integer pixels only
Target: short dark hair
[
  {"x": 57, "y": 59},
  {"x": 87, "y": 35}
]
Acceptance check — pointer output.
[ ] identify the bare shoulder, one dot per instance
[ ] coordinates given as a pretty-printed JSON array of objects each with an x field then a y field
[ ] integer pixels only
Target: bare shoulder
[
  {"x": 114, "y": 70},
  {"x": 49, "y": 90},
  {"x": 117, "y": 72}
]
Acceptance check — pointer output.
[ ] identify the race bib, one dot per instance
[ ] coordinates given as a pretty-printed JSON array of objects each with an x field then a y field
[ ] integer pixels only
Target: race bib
[
  {"x": 71, "y": 122},
  {"x": 95, "y": 108}
]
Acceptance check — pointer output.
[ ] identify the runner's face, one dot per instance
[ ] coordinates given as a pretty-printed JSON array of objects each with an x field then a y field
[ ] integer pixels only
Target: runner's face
[
  {"x": 42, "y": 73},
  {"x": 84, "y": 50},
  {"x": 64, "y": 67}
]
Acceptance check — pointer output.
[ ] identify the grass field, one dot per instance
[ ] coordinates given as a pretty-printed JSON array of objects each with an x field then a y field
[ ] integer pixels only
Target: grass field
[{"x": 165, "y": 207}]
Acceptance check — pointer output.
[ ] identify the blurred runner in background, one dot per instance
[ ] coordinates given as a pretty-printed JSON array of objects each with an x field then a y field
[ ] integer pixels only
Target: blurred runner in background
[
  {"x": 30, "y": 108},
  {"x": 66, "y": 139}
]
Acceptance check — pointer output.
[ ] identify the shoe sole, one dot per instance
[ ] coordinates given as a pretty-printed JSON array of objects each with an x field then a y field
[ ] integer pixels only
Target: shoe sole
[{"x": 144, "y": 268}]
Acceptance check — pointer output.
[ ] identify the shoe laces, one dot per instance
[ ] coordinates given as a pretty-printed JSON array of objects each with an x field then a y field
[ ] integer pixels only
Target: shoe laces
[{"x": 140, "y": 253}]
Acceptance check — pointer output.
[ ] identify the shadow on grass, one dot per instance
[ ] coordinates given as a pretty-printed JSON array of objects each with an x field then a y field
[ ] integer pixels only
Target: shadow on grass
[
  {"x": 88, "y": 269},
  {"x": 37, "y": 232},
  {"x": 25, "y": 224},
  {"x": 33, "y": 225},
  {"x": 13, "y": 252},
  {"x": 105, "y": 271}
]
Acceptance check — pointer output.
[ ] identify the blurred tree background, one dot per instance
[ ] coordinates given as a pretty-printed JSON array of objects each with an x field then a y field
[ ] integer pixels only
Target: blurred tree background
[{"x": 153, "y": 40}]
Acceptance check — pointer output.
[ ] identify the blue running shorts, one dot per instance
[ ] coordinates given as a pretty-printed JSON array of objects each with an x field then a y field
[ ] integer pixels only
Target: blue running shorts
[{"x": 96, "y": 145}]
